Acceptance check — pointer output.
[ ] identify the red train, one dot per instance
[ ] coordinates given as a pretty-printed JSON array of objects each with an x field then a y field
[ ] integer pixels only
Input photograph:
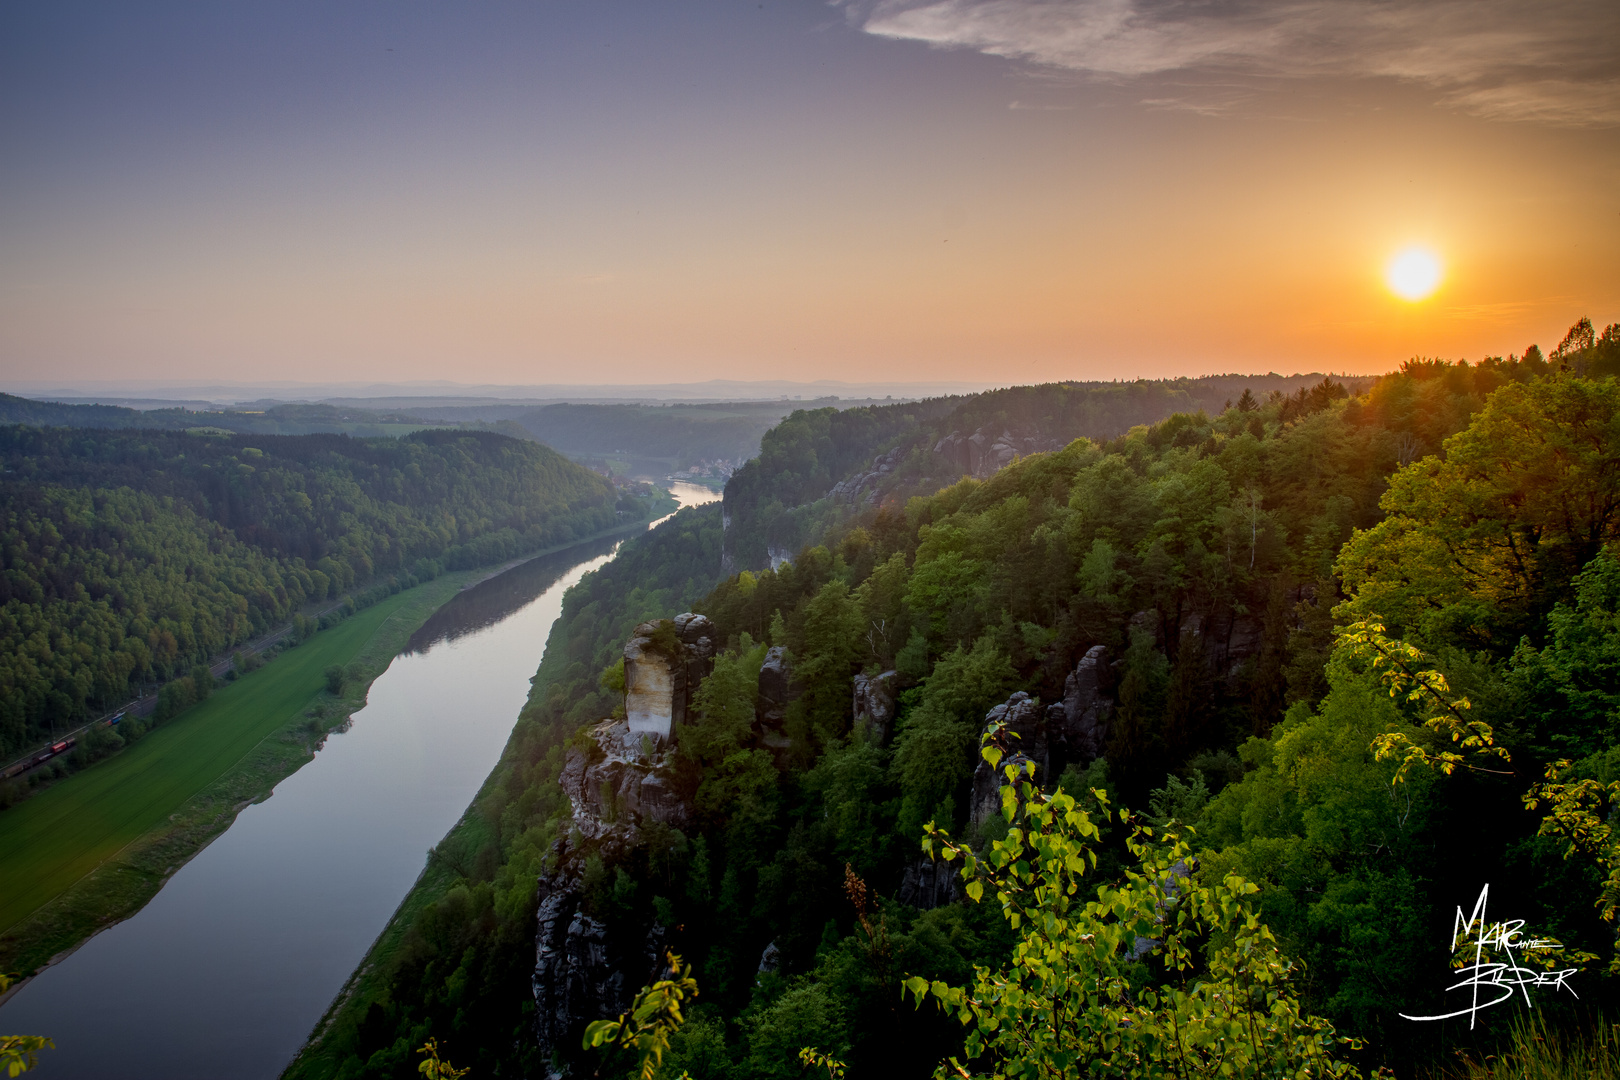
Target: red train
[
  {"x": 17, "y": 768},
  {"x": 20, "y": 767}
]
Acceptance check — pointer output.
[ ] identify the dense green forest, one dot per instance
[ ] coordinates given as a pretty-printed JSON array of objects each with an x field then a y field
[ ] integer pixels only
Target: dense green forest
[
  {"x": 775, "y": 503},
  {"x": 1250, "y": 572},
  {"x": 132, "y": 555}
]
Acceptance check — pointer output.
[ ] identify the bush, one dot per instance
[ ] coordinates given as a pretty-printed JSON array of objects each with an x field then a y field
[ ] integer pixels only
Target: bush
[
  {"x": 97, "y": 742},
  {"x": 334, "y": 679},
  {"x": 174, "y": 699},
  {"x": 806, "y": 1015},
  {"x": 1088, "y": 992},
  {"x": 202, "y": 682}
]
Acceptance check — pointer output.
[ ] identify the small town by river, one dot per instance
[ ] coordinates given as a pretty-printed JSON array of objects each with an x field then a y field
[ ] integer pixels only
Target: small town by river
[{"x": 230, "y": 966}]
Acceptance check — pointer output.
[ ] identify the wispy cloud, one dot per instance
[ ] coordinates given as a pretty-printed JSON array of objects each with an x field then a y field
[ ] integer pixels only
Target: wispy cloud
[
  {"x": 1545, "y": 61},
  {"x": 1512, "y": 312}
]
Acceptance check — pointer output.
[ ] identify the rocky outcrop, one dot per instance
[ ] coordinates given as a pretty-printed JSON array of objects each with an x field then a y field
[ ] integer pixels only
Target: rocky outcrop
[
  {"x": 775, "y": 685},
  {"x": 1075, "y": 729},
  {"x": 1082, "y": 729},
  {"x": 930, "y": 883},
  {"x": 874, "y": 704},
  {"x": 770, "y": 960},
  {"x": 864, "y": 488},
  {"x": 620, "y": 782},
  {"x": 664, "y": 661},
  {"x": 579, "y": 973},
  {"x": 1022, "y": 716},
  {"x": 988, "y": 449},
  {"x": 699, "y": 643},
  {"x": 776, "y": 692},
  {"x": 617, "y": 783}
]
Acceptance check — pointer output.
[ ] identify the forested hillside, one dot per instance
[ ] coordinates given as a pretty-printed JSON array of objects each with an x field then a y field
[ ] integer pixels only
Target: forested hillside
[
  {"x": 1256, "y": 594},
  {"x": 787, "y": 497},
  {"x": 131, "y": 555}
]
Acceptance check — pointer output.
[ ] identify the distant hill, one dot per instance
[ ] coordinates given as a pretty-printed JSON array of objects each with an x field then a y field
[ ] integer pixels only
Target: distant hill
[
  {"x": 131, "y": 555},
  {"x": 277, "y": 420},
  {"x": 891, "y": 452},
  {"x": 19, "y": 410}
]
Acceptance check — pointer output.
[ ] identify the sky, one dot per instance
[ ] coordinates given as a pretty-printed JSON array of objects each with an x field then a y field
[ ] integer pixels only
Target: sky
[{"x": 991, "y": 191}]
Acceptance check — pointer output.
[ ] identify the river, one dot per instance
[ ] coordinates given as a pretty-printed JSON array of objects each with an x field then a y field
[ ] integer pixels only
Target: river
[{"x": 225, "y": 972}]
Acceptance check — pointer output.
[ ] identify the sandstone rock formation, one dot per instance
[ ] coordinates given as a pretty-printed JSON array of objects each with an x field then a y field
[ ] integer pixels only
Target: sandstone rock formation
[
  {"x": 874, "y": 704},
  {"x": 1075, "y": 729},
  {"x": 1086, "y": 712},
  {"x": 620, "y": 782},
  {"x": 580, "y": 974},
  {"x": 863, "y": 488},
  {"x": 616, "y": 784},
  {"x": 1023, "y": 717},
  {"x": 930, "y": 883},
  {"x": 775, "y": 685},
  {"x": 984, "y": 451},
  {"x": 663, "y": 664}
]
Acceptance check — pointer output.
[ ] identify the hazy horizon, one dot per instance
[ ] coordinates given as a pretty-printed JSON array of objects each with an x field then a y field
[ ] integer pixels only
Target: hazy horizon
[{"x": 155, "y": 393}]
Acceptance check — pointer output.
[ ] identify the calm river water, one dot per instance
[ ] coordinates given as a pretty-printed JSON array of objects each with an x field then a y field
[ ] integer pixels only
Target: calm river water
[{"x": 227, "y": 970}]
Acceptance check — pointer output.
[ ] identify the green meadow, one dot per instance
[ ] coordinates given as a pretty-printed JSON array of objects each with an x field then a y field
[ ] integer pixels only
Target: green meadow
[{"x": 95, "y": 846}]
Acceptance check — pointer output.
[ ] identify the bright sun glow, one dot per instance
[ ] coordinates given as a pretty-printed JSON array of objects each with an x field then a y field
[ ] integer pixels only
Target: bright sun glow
[{"x": 1413, "y": 273}]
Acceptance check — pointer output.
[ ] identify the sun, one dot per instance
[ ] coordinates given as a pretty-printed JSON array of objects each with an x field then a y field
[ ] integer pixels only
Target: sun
[{"x": 1413, "y": 273}]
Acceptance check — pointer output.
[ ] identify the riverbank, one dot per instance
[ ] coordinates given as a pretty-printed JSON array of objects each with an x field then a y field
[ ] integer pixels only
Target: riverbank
[
  {"x": 339, "y": 1035},
  {"x": 334, "y": 1036},
  {"x": 95, "y": 848}
]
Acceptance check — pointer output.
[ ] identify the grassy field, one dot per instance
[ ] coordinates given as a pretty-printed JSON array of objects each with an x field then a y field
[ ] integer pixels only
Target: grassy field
[{"x": 95, "y": 847}]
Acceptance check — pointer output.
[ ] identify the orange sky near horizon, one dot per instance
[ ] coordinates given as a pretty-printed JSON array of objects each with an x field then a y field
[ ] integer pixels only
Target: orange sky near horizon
[{"x": 877, "y": 209}]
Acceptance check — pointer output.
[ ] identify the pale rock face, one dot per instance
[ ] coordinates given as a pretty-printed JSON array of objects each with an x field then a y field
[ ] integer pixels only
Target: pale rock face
[
  {"x": 616, "y": 786},
  {"x": 649, "y": 686},
  {"x": 659, "y": 687}
]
